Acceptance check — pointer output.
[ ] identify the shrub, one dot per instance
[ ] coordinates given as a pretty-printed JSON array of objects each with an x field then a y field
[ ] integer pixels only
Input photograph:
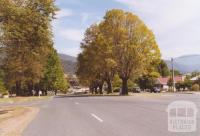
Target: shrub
[
  {"x": 5, "y": 93},
  {"x": 2, "y": 88},
  {"x": 195, "y": 87},
  {"x": 116, "y": 89}
]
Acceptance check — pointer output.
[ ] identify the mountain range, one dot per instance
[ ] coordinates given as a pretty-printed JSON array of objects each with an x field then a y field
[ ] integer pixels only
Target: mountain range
[
  {"x": 68, "y": 63},
  {"x": 186, "y": 64}
]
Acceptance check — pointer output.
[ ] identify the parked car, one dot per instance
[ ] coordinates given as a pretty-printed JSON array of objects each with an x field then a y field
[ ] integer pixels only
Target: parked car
[
  {"x": 80, "y": 90},
  {"x": 136, "y": 90},
  {"x": 155, "y": 90}
]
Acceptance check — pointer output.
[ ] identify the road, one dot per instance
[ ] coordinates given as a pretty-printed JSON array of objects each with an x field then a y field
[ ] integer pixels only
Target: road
[{"x": 108, "y": 116}]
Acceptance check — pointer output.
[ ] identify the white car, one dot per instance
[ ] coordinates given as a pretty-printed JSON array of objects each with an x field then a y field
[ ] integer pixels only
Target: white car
[{"x": 78, "y": 90}]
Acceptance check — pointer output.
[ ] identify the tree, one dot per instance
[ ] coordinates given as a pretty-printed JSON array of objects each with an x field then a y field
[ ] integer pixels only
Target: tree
[
  {"x": 170, "y": 83},
  {"x": 187, "y": 83},
  {"x": 2, "y": 86},
  {"x": 176, "y": 72},
  {"x": 195, "y": 87},
  {"x": 53, "y": 74},
  {"x": 194, "y": 74},
  {"x": 133, "y": 44},
  {"x": 120, "y": 44},
  {"x": 95, "y": 63},
  {"x": 27, "y": 39},
  {"x": 163, "y": 69},
  {"x": 148, "y": 81},
  {"x": 116, "y": 82}
]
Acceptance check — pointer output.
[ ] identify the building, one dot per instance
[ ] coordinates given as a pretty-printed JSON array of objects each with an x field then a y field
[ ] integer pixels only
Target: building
[
  {"x": 162, "y": 81},
  {"x": 195, "y": 78}
]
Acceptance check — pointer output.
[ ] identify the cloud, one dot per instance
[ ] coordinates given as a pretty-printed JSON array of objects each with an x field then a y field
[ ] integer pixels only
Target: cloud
[
  {"x": 174, "y": 22},
  {"x": 64, "y": 13},
  {"x": 72, "y": 34},
  {"x": 72, "y": 51}
]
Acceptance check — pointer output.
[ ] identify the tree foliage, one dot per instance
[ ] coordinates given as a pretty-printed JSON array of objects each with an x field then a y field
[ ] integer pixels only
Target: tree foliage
[
  {"x": 148, "y": 81},
  {"x": 120, "y": 44},
  {"x": 2, "y": 86},
  {"x": 195, "y": 87},
  {"x": 26, "y": 38},
  {"x": 53, "y": 74},
  {"x": 95, "y": 63},
  {"x": 163, "y": 69}
]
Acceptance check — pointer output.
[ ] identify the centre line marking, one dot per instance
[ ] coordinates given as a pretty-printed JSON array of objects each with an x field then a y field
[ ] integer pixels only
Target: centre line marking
[
  {"x": 76, "y": 103},
  {"x": 96, "y": 117}
]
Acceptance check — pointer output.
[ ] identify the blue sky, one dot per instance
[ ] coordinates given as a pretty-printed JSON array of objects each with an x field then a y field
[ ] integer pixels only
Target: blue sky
[{"x": 175, "y": 23}]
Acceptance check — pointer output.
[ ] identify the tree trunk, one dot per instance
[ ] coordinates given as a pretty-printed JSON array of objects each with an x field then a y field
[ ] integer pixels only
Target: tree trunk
[
  {"x": 95, "y": 90},
  {"x": 109, "y": 89},
  {"x": 124, "y": 90},
  {"x": 101, "y": 89},
  {"x": 18, "y": 89},
  {"x": 45, "y": 92},
  {"x": 30, "y": 88},
  {"x": 91, "y": 89}
]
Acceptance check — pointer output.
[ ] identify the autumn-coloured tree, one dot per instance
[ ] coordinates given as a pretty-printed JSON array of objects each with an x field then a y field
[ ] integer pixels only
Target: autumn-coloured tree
[
  {"x": 121, "y": 43},
  {"x": 95, "y": 63},
  {"x": 134, "y": 46},
  {"x": 27, "y": 39}
]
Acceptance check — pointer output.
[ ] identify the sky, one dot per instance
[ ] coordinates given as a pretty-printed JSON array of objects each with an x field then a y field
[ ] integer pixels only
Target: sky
[{"x": 175, "y": 23}]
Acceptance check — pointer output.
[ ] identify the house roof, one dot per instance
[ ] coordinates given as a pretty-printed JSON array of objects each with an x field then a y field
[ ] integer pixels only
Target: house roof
[{"x": 164, "y": 80}]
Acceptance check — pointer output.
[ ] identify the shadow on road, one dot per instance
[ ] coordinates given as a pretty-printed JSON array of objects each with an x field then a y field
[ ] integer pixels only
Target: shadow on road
[{"x": 83, "y": 95}]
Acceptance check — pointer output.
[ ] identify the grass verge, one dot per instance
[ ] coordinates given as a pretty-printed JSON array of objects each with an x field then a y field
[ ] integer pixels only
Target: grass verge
[{"x": 23, "y": 99}]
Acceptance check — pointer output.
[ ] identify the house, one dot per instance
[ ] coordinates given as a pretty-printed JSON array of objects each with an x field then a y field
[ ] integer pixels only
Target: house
[
  {"x": 195, "y": 78},
  {"x": 162, "y": 81}
]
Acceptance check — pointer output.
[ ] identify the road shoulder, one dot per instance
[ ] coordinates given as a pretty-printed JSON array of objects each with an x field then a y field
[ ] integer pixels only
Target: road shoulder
[{"x": 13, "y": 120}]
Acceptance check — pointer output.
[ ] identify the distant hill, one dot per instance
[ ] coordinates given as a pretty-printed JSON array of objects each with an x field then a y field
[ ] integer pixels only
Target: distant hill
[
  {"x": 186, "y": 64},
  {"x": 68, "y": 63},
  {"x": 67, "y": 57}
]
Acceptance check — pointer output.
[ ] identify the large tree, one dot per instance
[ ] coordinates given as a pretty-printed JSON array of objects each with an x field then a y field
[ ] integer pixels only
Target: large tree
[
  {"x": 95, "y": 63},
  {"x": 163, "y": 69},
  {"x": 120, "y": 43},
  {"x": 27, "y": 38},
  {"x": 133, "y": 44},
  {"x": 53, "y": 74}
]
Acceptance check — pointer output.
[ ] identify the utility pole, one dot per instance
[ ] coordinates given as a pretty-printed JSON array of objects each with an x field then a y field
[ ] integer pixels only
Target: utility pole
[{"x": 173, "y": 82}]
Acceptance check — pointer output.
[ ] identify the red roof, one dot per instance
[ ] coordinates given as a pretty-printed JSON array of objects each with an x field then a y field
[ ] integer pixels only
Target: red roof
[{"x": 164, "y": 80}]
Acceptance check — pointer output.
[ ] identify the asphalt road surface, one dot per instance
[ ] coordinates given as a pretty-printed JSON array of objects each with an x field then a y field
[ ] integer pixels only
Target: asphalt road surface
[{"x": 108, "y": 116}]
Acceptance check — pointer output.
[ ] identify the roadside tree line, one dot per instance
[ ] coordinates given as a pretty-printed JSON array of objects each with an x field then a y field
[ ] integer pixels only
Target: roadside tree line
[
  {"x": 121, "y": 46},
  {"x": 29, "y": 61}
]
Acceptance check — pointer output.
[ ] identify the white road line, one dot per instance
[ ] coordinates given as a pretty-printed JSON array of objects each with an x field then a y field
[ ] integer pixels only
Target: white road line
[
  {"x": 96, "y": 117},
  {"x": 76, "y": 103}
]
